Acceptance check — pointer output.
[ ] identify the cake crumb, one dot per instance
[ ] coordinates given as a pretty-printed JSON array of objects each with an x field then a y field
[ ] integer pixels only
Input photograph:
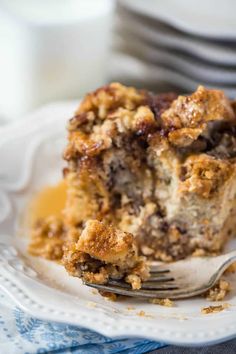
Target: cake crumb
[
  {"x": 182, "y": 318},
  {"x": 179, "y": 317},
  {"x": 214, "y": 309},
  {"x": 219, "y": 291},
  {"x": 162, "y": 302},
  {"x": 115, "y": 311},
  {"x": 147, "y": 251},
  {"x": 141, "y": 313},
  {"x": 231, "y": 269},
  {"x": 144, "y": 314},
  {"x": 199, "y": 252},
  {"x": 94, "y": 292},
  {"x": 134, "y": 280},
  {"x": 130, "y": 308},
  {"x": 91, "y": 304},
  {"x": 108, "y": 296}
]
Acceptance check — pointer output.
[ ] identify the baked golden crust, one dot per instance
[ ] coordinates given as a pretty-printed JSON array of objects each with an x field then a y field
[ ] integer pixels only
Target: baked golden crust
[
  {"x": 202, "y": 106},
  {"x": 110, "y": 97},
  {"x": 106, "y": 243},
  {"x": 188, "y": 116}
]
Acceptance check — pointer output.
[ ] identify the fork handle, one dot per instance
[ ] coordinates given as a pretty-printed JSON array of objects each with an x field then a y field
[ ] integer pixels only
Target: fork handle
[
  {"x": 229, "y": 257},
  {"x": 232, "y": 255}
]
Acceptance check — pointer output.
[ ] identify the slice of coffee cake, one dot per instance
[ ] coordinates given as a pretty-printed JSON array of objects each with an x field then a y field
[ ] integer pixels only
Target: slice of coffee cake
[{"x": 160, "y": 167}]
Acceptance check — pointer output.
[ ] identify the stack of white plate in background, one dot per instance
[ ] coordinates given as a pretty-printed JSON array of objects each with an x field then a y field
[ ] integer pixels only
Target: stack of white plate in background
[{"x": 165, "y": 45}]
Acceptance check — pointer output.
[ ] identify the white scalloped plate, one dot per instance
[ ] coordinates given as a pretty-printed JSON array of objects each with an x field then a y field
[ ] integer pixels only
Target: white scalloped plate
[{"x": 30, "y": 155}]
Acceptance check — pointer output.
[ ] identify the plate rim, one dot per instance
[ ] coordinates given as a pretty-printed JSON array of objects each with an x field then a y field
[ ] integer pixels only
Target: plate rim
[{"x": 105, "y": 328}]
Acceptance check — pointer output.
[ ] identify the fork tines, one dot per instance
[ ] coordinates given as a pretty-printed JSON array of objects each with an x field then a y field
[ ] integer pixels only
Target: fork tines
[{"x": 159, "y": 282}]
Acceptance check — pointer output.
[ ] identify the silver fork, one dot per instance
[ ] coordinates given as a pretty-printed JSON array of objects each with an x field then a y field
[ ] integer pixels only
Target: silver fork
[{"x": 177, "y": 280}]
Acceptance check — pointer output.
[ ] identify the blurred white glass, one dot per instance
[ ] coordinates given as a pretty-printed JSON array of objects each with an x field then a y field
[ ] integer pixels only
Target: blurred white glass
[{"x": 51, "y": 50}]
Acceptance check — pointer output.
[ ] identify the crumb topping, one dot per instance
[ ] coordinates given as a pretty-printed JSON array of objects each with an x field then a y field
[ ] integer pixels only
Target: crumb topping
[
  {"x": 108, "y": 98},
  {"x": 196, "y": 110}
]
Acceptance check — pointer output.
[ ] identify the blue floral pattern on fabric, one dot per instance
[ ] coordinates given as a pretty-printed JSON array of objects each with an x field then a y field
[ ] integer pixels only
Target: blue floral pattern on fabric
[{"x": 22, "y": 334}]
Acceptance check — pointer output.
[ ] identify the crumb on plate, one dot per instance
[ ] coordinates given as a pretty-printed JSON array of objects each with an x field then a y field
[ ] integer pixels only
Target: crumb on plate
[
  {"x": 91, "y": 304},
  {"x": 108, "y": 296},
  {"x": 214, "y": 309},
  {"x": 130, "y": 308},
  {"x": 143, "y": 314},
  {"x": 219, "y": 291},
  {"x": 231, "y": 269},
  {"x": 162, "y": 302}
]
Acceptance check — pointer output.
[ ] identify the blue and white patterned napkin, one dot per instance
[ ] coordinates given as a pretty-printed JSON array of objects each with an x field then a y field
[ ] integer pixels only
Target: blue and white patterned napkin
[{"x": 22, "y": 334}]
